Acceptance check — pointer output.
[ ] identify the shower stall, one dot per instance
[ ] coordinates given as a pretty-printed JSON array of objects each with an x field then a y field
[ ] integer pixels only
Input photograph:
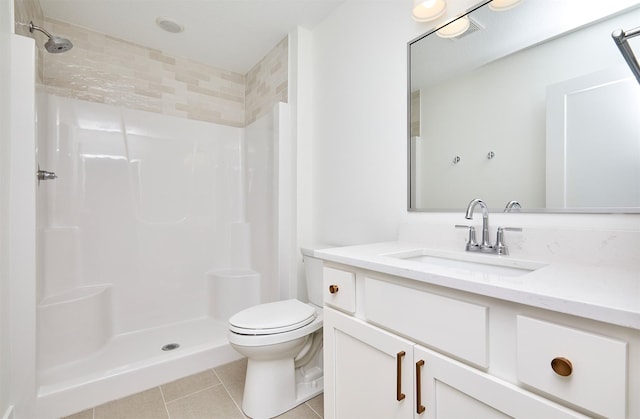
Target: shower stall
[{"x": 155, "y": 230}]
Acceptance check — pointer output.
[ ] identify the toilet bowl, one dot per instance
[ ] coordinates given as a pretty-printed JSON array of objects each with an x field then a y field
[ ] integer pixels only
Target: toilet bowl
[{"x": 283, "y": 345}]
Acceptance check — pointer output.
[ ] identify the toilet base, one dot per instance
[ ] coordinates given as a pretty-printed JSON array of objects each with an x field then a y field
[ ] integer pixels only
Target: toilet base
[
  {"x": 287, "y": 387},
  {"x": 284, "y": 370}
]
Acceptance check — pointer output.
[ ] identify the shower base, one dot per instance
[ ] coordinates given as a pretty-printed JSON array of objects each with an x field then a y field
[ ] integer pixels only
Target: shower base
[{"x": 133, "y": 362}]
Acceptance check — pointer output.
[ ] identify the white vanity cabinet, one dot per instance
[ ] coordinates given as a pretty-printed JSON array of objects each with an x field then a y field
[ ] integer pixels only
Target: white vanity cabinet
[
  {"x": 368, "y": 371},
  {"x": 399, "y": 349},
  {"x": 371, "y": 373}
]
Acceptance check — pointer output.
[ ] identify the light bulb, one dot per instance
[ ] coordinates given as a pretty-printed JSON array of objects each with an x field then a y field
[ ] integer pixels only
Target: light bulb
[
  {"x": 501, "y": 5},
  {"x": 426, "y": 10},
  {"x": 455, "y": 28}
]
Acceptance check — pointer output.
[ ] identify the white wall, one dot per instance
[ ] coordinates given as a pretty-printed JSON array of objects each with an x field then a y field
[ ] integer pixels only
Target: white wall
[
  {"x": 18, "y": 226},
  {"x": 359, "y": 127},
  {"x": 6, "y": 29},
  {"x": 17, "y": 221},
  {"x": 359, "y": 131},
  {"x": 300, "y": 101}
]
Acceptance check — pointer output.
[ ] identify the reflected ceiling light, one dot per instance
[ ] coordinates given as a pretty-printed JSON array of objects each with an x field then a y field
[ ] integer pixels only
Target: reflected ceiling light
[
  {"x": 454, "y": 28},
  {"x": 500, "y": 5},
  {"x": 426, "y": 10}
]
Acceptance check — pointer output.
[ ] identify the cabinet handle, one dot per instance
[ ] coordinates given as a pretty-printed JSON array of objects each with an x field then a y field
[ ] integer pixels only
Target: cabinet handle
[
  {"x": 333, "y": 288},
  {"x": 562, "y": 366},
  {"x": 399, "y": 394},
  {"x": 419, "y": 407}
]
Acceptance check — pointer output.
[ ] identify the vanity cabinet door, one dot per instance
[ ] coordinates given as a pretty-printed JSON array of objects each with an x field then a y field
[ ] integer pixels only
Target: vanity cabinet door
[
  {"x": 368, "y": 372},
  {"x": 450, "y": 389}
]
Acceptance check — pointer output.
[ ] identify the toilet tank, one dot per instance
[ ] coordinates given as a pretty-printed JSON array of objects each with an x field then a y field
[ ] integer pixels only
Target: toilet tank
[{"x": 313, "y": 275}]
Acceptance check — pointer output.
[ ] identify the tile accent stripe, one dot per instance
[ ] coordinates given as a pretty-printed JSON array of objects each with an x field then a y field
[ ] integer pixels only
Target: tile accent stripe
[
  {"x": 105, "y": 69},
  {"x": 267, "y": 82}
]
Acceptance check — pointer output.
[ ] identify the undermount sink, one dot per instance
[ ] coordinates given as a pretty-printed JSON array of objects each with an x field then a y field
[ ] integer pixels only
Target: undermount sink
[{"x": 470, "y": 262}]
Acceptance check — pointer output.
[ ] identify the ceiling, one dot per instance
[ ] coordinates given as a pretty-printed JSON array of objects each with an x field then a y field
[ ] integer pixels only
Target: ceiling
[{"x": 229, "y": 34}]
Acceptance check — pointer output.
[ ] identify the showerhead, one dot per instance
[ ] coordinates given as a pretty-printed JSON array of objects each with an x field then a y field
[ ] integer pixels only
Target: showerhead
[{"x": 55, "y": 44}]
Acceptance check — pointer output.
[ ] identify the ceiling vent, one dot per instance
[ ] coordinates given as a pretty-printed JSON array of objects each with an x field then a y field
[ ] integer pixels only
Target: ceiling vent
[
  {"x": 169, "y": 25},
  {"x": 474, "y": 26}
]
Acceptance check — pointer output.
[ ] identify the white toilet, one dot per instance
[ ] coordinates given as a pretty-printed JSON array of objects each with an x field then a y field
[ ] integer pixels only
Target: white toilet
[{"x": 283, "y": 344}]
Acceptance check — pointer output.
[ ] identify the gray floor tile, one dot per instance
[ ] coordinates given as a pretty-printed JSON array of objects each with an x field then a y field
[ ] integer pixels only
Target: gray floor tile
[
  {"x": 145, "y": 405},
  {"x": 85, "y": 414},
  {"x": 200, "y": 396},
  {"x": 317, "y": 404},
  {"x": 300, "y": 412},
  {"x": 232, "y": 376},
  {"x": 212, "y": 403},
  {"x": 188, "y": 385}
]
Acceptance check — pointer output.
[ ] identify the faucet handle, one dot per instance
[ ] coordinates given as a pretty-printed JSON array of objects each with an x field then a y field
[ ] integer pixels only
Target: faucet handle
[
  {"x": 501, "y": 248},
  {"x": 510, "y": 228},
  {"x": 471, "y": 242}
]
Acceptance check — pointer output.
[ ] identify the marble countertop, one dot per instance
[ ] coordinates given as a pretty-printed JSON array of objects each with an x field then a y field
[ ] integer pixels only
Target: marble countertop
[{"x": 605, "y": 293}]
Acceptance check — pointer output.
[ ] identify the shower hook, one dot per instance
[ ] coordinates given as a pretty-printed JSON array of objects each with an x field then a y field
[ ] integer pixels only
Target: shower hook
[{"x": 44, "y": 175}]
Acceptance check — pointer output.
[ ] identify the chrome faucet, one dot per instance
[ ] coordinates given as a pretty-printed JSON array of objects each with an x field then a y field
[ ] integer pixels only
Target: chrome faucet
[
  {"x": 485, "y": 220},
  {"x": 512, "y": 205},
  {"x": 500, "y": 248}
]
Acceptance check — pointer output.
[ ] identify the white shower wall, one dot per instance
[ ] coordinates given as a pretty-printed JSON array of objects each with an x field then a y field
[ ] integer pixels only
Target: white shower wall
[
  {"x": 142, "y": 202},
  {"x": 148, "y": 218}
]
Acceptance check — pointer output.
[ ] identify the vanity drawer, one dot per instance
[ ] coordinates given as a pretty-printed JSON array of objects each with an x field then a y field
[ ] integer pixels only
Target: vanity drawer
[
  {"x": 456, "y": 327},
  {"x": 593, "y": 366},
  {"x": 339, "y": 289}
]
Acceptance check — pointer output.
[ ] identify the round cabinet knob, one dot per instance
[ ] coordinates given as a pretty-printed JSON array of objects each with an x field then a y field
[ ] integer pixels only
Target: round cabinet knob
[
  {"x": 333, "y": 288},
  {"x": 562, "y": 366}
]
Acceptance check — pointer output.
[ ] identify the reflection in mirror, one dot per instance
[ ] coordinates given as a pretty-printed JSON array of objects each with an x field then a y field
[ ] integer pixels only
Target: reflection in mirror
[{"x": 533, "y": 104}]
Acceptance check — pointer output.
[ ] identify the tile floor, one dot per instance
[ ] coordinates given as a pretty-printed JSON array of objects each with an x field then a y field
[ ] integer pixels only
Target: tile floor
[{"x": 211, "y": 394}]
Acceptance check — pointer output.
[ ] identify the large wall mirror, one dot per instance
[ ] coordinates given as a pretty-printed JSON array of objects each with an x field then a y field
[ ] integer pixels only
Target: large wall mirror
[{"x": 534, "y": 104}]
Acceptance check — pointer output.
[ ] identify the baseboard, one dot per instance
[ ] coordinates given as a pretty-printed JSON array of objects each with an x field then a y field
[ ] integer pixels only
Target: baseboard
[{"x": 9, "y": 413}]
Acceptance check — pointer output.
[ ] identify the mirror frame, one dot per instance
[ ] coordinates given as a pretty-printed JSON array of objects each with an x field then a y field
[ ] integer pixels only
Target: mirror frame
[{"x": 585, "y": 210}]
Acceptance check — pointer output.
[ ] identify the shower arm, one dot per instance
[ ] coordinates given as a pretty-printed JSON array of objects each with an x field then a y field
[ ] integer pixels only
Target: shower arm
[
  {"x": 620, "y": 38},
  {"x": 33, "y": 27}
]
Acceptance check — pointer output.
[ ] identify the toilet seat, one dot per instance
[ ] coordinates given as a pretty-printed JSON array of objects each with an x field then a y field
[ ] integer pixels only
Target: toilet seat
[{"x": 272, "y": 318}]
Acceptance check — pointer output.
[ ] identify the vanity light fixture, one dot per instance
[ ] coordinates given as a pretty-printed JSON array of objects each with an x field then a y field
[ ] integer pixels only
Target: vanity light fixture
[
  {"x": 454, "y": 28},
  {"x": 501, "y": 5},
  {"x": 426, "y": 10}
]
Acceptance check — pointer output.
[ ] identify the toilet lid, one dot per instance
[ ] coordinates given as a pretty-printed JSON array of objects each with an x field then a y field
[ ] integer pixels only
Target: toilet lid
[{"x": 271, "y": 318}]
